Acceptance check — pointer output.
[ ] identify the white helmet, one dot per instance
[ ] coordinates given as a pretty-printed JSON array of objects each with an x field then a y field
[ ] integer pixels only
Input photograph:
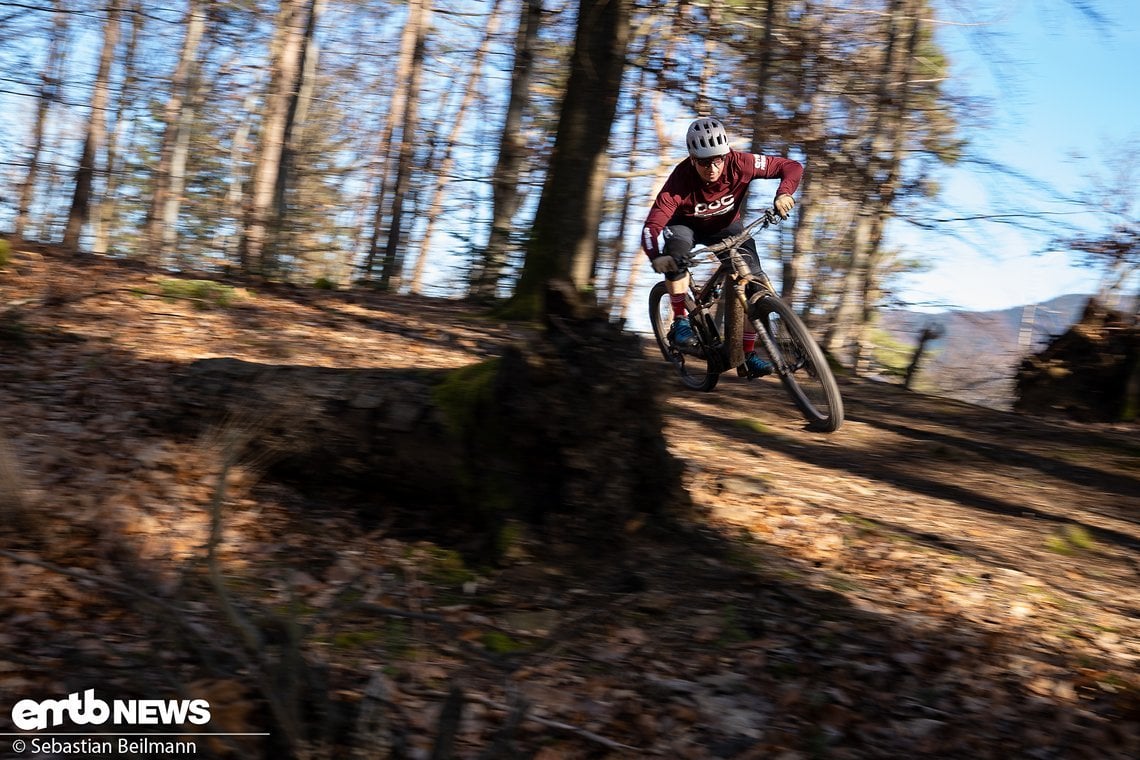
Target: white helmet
[{"x": 706, "y": 138}]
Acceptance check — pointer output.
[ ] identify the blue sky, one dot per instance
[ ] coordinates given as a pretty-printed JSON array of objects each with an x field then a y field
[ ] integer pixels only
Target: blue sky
[{"x": 1059, "y": 84}]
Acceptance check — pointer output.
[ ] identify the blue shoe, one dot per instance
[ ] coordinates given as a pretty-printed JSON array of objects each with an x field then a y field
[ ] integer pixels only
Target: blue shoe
[
  {"x": 681, "y": 333},
  {"x": 754, "y": 366}
]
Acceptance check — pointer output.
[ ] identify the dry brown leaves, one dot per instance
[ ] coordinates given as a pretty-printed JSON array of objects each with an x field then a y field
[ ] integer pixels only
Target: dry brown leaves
[{"x": 911, "y": 586}]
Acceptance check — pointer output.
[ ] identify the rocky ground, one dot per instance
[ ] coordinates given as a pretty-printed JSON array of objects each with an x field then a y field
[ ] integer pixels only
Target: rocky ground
[{"x": 934, "y": 580}]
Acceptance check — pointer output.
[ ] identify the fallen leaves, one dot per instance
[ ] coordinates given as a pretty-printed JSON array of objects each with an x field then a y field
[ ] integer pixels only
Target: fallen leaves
[{"x": 846, "y": 612}]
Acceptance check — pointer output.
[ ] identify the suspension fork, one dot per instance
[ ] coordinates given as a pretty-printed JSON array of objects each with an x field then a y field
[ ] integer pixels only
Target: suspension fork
[{"x": 774, "y": 353}]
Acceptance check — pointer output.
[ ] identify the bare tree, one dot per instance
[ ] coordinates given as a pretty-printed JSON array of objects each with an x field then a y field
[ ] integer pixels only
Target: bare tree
[
  {"x": 443, "y": 172},
  {"x": 564, "y": 240},
  {"x": 405, "y": 147},
  {"x": 876, "y": 167},
  {"x": 388, "y": 151},
  {"x": 300, "y": 100},
  {"x": 763, "y": 64},
  {"x": 257, "y": 248},
  {"x": 96, "y": 129},
  {"x": 162, "y": 216},
  {"x": 106, "y": 208},
  {"x": 49, "y": 91},
  {"x": 812, "y": 52},
  {"x": 506, "y": 197},
  {"x": 930, "y": 332},
  {"x": 889, "y": 177},
  {"x": 616, "y": 248},
  {"x": 1115, "y": 250}
]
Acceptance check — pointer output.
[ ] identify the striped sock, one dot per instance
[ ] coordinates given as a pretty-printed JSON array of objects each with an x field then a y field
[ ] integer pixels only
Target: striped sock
[
  {"x": 749, "y": 343},
  {"x": 678, "y": 302}
]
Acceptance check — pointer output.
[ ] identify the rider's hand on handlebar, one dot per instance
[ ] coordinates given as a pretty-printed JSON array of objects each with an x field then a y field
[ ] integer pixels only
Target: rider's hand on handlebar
[
  {"x": 784, "y": 205},
  {"x": 664, "y": 264}
]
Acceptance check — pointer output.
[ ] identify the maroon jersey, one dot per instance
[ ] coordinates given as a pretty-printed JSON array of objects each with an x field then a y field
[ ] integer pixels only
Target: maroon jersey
[{"x": 708, "y": 208}]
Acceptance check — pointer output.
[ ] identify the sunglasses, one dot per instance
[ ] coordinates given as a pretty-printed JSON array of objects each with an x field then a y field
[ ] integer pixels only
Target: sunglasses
[{"x": 705, "y": 163}]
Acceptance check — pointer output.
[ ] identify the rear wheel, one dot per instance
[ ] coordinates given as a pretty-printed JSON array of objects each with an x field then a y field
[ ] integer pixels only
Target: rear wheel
[
  {"x": 799, "y": 362},
  {"x": 696, "y": 366}
]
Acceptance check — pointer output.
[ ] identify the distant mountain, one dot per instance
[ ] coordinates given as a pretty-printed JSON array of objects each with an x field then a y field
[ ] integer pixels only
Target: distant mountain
[
  {"x": 1046, "y": 319},
  {"x": 975, "y": 358}
]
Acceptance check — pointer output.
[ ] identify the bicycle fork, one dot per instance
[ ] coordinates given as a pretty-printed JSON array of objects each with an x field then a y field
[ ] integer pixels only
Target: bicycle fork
[{"x": 774, "y": 353}]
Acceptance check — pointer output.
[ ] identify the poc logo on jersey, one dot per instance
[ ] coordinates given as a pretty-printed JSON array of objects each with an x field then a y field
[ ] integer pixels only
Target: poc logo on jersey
[{"x": 715, "y": 208}]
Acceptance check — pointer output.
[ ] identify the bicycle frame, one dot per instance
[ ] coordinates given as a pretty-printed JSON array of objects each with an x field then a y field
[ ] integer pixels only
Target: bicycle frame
[
  {"x": 731, "y": 272},
  {"x": 796, "y": 358}
]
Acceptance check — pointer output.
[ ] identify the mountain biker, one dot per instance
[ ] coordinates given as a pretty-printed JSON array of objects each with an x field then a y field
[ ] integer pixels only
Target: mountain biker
[{"x": 700, "y": 203}]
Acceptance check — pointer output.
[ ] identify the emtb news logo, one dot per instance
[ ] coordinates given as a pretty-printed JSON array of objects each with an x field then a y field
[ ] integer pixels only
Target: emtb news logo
[{"x": 30, "y": 715}]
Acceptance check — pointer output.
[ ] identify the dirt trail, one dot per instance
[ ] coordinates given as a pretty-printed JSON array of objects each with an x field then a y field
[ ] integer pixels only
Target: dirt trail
[
  {"x": 1057, "y": 502},
  {"x": 935, "y": 579}
]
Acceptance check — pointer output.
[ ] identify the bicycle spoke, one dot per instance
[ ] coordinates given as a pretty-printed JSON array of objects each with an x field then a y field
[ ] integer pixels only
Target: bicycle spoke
[
  {"x": 695, "y": 369},
  {"x": 800, "y": 363}
]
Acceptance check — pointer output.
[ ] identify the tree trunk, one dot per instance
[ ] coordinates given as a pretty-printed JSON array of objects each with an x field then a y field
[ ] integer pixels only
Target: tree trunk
[
  {"x": 618, "y": 245},
  {"x": 504, "y": 182},
  {"x": 763, "y": 74},
  {"x": 257, "y": 250},
  {"x": 896, "y": 112},
  {"x": 162, "y": 216},
  {"x": 106, "y": 211},
  {"x": 802, "y": 238},
  {"x": 837, "y": 340},
  {"x": 397, "y": 105},
  {"x": 391, "y": 271},
  {"x": 447, "y": 163},
  {"x": 665, "y": 162},
  {"x": 177, "y": 190},
  {"x": 847, "y": 321},
  {"x": 96, "y": 128},
  {"x": 1130, "y": 409},
  {"x": 228, "y": 242},
  {"x": 53, "y": 188},
  {"x": 811, "y": 113},
  {"x": 703, "y": 106},
  {"x": 563, "y": 242},
  {"x": 49, "y": 91},
  {"x": 300, "y": 96}
]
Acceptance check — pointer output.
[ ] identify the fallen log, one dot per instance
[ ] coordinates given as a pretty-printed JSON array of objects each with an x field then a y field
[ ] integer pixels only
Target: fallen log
[{"x": 563, "y": 431}]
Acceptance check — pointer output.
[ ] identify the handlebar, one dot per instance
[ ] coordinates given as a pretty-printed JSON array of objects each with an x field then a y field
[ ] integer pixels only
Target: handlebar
[{"x": 765, "y": 220}]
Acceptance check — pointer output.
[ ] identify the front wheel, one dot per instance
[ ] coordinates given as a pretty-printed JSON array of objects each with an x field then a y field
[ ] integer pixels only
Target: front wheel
[
  {"x": 799, "y": 362},
  {"x": 697, "y": 367}
]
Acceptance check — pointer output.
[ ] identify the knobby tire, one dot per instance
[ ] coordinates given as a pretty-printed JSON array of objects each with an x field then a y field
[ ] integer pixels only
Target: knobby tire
[
  {"x": 800, "y": 363},
  {"x": 698, "y": 369}
]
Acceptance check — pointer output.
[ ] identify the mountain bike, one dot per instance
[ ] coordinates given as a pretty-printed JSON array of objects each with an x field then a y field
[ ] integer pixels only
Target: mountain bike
[{"x": 795, "y": 356}]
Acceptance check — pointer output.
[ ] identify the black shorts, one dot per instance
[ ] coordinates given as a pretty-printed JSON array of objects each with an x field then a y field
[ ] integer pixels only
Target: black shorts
[{"x": 680, "y": 239}]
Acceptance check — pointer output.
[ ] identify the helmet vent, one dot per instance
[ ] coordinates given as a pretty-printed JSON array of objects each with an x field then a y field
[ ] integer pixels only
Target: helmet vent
[{"x": 707, "y": 138}]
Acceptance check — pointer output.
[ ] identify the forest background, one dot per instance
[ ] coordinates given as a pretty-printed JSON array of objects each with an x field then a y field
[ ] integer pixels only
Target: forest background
[
  {"x": 342, "y": 515},
  {"x": 406, "y": 145}
]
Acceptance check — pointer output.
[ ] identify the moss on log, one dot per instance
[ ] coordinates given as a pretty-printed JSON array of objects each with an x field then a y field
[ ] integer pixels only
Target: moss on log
[{"x": 562, "y": 432}]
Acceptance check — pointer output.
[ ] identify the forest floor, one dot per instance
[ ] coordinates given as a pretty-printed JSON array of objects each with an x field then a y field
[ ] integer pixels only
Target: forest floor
[{"x": 933, "y": 580}]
